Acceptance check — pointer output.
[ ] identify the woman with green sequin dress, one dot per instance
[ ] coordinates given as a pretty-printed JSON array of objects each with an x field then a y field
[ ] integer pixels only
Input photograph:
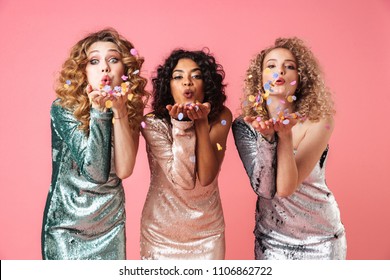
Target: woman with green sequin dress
[{"x": 95, "y": 134}]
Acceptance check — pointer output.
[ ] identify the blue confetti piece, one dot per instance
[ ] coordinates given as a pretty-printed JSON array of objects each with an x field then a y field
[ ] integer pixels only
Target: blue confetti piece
[
  {"x": 269, "y": 101},
  {"x": 180, "y": 116},
  {"x": 223, "y": 122},
  {"x": 68, "y": 82},
  {"x": 267, "y": 86},
  {"x": 275, "y": 75}
]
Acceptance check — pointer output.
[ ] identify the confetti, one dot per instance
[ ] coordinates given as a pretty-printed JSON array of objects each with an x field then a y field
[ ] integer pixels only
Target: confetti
[
  {"x": 282, "y": 101},
  {"x": 251, "y": 98},
  {"x": 223, "y": 122},
  {"x": 267, "y": 85},
  {"x": 136, "y": 72},
  {"x": 134, "y": 52},
  {"x": 293, "y": 83},
  {"x": 250, "y": 77},
  {"x": 291, "y": 98},
  {"x": 275, "y": 75},
  {"x": 180, "y": 116},
  {"x": 219, "y": 147},
  {"x": 258, "y": 119},
  {"x": 66, "y": 86},
  {"x": 269, "y": 101},
  {"x": 267, "y": 71},
  {"x": 285, "y": 121},
  {"x": 192, "y": 158},
  {"x": 130, "y": 96},
  {"x": 124, "y": 77},
  {"x": 143, "y": 124},
  {"x": 68, "y": 82},
  {"x": 108, "y": 104}
]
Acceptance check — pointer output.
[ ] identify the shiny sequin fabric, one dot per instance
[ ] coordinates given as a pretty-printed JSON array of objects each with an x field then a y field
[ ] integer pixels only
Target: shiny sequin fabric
[
  {"x": 84, "y": 216},
  {"x": 181, "y": 219},
  {"x": 305, "y": 225}
]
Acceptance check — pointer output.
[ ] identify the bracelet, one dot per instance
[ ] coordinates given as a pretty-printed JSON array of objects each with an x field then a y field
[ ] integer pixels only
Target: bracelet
[{"x": 117, "y": 118}]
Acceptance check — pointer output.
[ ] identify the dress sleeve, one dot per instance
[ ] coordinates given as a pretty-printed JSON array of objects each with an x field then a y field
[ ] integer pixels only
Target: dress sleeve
[
  {"x": 258, "y": 157},
  {"x": 91, "y": 153},
  {"x": 173, "y": 147}
]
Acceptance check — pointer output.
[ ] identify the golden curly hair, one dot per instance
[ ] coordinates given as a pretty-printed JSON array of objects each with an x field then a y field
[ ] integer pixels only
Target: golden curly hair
[
  {"x": 72, "y": 81},
  {"x": 314, "y": 99}
]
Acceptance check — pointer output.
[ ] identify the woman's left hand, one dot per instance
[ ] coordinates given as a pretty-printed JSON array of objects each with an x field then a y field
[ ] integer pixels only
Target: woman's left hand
[{"x": 198, "y": 111}]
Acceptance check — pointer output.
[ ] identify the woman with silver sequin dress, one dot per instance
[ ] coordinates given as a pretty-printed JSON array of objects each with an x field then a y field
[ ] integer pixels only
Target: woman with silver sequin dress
[
  {"x": 95, "y": 135},
  {"x": 282, "y": 138},
  {"x": 186, "y": 141}
]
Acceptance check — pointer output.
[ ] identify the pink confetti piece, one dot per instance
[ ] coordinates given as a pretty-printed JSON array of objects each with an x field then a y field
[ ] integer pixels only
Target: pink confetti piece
[
  {"x": 134, "y": 52},
  {"x": 192, "y": 158},
  {"x": 124, "y": 77},
  {"x": 258, "y": 119},
  {"x": 293, "y": 83},
  {"x": 143, "y": 124}
]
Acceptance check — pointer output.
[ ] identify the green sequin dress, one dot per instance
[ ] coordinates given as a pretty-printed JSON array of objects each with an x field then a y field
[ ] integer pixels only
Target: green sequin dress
[{"x": 84, "y": 216}]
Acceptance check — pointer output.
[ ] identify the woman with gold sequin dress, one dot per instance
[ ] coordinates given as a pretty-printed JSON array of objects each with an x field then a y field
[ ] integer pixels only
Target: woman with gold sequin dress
[
  {"x": 186, "y": 141},
  {"x": 95, "y": 134},
  {"x": 282, "y": 138}
]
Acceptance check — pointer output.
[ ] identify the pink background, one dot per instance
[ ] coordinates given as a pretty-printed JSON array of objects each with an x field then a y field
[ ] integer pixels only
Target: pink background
[{"x": 350, "y": 38}]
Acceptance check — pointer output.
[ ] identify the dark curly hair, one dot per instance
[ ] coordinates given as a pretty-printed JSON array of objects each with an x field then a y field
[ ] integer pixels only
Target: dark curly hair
[{"x": 212, "y": 73}]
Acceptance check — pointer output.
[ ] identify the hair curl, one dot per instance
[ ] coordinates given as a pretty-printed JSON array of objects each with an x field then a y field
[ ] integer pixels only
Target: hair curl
[
  {"x": 75, "y": 97},
  {"x": 213, "y": 87},
  {"x": 313, "y": 97}
]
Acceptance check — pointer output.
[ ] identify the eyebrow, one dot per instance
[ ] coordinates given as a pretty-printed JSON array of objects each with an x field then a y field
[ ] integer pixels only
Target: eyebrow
[
  {"x": 182, "y": 71},
  {"x": 110, "y": 50},
  {"x": 273, "y": 59}
]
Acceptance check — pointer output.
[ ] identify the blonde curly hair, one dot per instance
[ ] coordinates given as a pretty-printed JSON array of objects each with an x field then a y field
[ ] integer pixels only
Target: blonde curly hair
[
  {"x": 313, "y": 97},
  {"x": 72, "y": 81}
]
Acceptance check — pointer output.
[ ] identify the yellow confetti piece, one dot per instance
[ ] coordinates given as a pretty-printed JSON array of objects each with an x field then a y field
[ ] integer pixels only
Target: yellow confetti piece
[
  {"x": 130, "y": 96},
  {"x": 113, "y": 120},
  {"x": 66, "y": 86},
  {"x": 108, "y": 104},
  {"x": 266, "y": 94},
  {"x": 251, "y": 98},
  {"x": 219, "y": 147},
  {"x": 290, "y": 98},
  {"x": 150, "y": 115},
  {"x": 267, "y": 71}
]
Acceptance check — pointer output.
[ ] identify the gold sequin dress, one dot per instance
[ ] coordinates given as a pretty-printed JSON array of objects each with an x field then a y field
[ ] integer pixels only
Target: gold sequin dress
[{"x": 181, "y": 219}]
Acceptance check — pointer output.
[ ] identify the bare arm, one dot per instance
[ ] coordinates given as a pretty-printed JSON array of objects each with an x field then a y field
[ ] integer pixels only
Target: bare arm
[
  {"x": 210, "y": 144},
  {"x": 126, "y": 139},
  {"x": 293, "y": 169}
]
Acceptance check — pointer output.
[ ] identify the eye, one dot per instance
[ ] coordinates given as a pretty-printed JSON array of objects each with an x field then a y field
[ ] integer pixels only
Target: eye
[
  {"x": 177, "y": 77},
  {"x": 197, "y": 76},
  {"x": 291, "y": 67},
  {"x": 113, "y": 60},
  {"x": 94, "y": 61},
  {"x": 270, "y": 66}
]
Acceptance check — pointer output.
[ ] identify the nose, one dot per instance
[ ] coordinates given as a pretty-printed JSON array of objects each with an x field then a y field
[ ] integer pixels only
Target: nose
[
  {"x": 281, "y": 70},
  {"x": 187, "y": 82},
  {"x": 105, "y": 68}
]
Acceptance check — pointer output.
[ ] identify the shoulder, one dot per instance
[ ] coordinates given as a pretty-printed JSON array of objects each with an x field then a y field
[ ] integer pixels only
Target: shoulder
[{"x": 225, "y": 117}]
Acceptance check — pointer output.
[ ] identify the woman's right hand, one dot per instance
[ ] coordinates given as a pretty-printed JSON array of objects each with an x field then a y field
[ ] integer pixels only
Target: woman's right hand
[{"x": 265, "y": 128}]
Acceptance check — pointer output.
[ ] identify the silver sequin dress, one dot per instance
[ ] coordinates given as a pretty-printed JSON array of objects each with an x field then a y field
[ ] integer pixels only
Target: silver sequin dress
[
  {"x": 305, "y": 225},
  {"x": 181, "y": 219},
  {"x": 84, "y": 216}
]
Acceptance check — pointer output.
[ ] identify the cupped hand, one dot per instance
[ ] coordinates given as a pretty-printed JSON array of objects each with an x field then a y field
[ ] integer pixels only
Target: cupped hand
[{"x": 265, "y": 128}]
